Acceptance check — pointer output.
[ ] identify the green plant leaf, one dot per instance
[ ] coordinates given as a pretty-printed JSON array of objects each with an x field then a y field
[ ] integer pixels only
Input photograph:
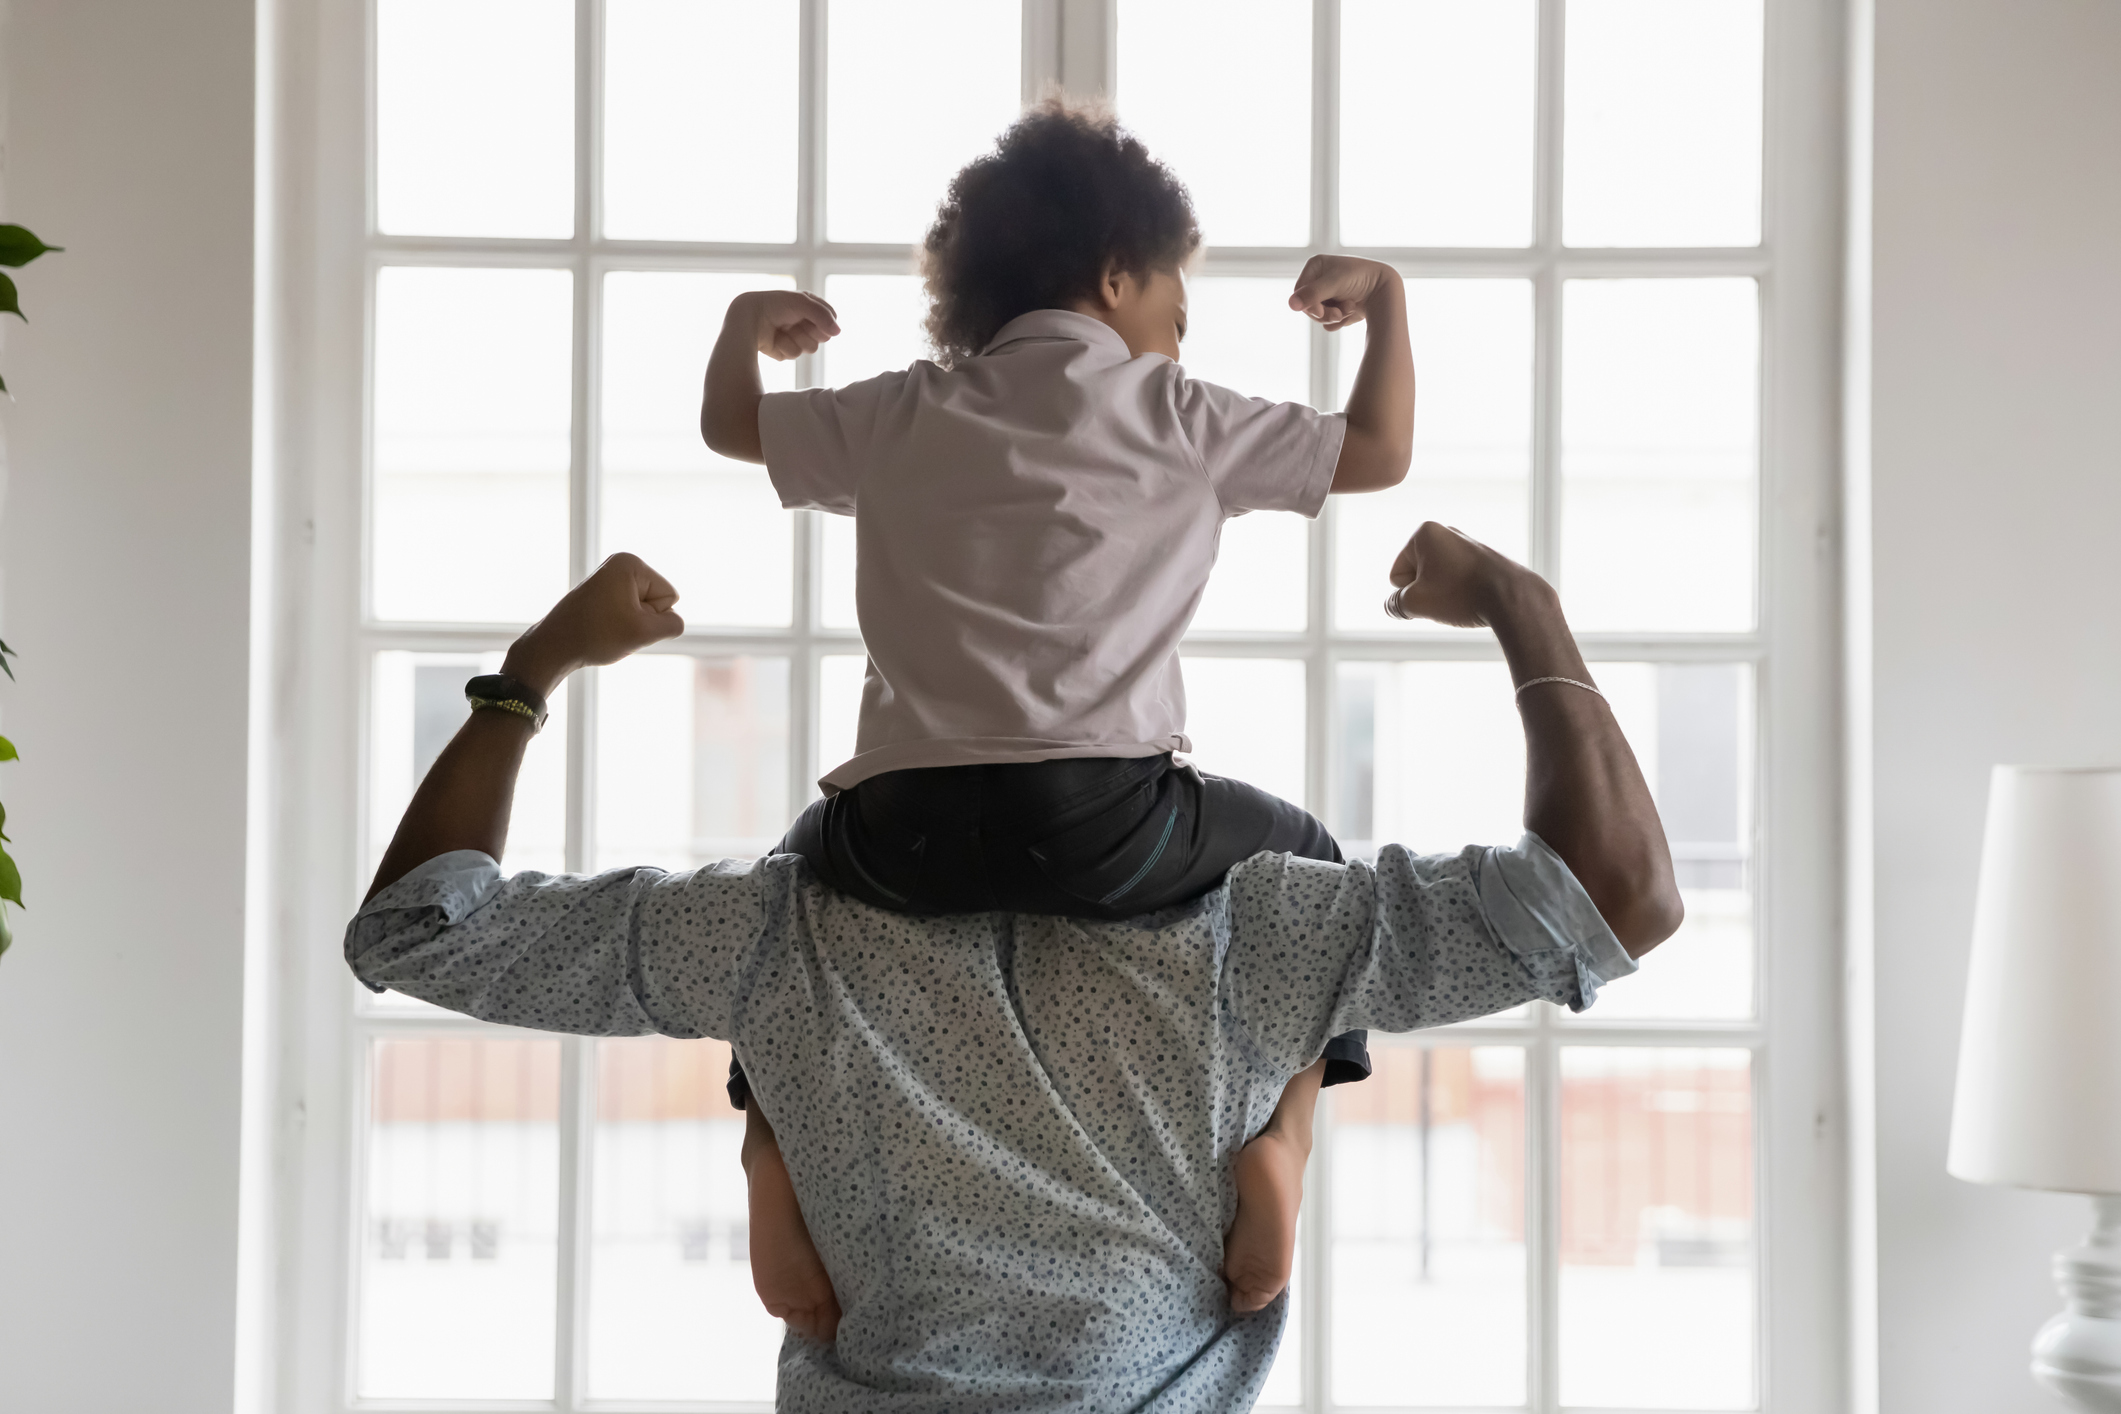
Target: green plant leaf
[
  {"x": 19, "y": 245},
  {"x": 9, "y": 304},
  {"x": 7, "y": 750},
  {"x": 3, "y": 824},
  {"x": 10, "y": 879},
  {"x": 5, "y": 651},
  {"x": 7, "y": 934}
]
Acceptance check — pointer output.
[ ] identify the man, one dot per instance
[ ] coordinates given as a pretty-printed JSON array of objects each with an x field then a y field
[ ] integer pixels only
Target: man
[{"x": 1012, "y": 1135}]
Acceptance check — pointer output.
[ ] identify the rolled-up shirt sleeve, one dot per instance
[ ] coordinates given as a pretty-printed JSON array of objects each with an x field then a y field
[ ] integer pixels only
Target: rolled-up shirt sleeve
[
  {"x": 1412, "y": 942},
  {"x": 622, "y": 953}
]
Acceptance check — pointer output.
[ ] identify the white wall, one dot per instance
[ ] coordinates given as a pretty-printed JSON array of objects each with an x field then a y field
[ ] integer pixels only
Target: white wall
[
  {"x": 1996, "y": 466},
  {"x": 126, "y": 557}
]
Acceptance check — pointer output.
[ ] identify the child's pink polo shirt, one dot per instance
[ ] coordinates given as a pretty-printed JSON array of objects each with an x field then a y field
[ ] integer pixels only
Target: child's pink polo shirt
[{"x": 1033, "y": 530}]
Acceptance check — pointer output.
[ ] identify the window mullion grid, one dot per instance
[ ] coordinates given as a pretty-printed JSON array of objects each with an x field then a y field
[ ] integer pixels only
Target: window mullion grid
[
  {"x": 1543, "y": 1218},
  {"x": 1318, "y": 579},
  {"x": 571, "y": 1285},
  {"x": 1542, "y": 1059},
  {"x": 1315, "y": 1337},
  {"x": 810, "y": 137},
  {"x": 804, "y": 670},
  {"x": 806, "y": 641},
  {"x": 1040, "y": 48},
  {"x": 577, "y": 1063},
  {"x": 1545, "y": 539}
]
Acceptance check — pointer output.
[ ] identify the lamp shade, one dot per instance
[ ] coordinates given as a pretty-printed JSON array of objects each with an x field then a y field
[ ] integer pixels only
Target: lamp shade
[{"x": 2039, "y": 1097}]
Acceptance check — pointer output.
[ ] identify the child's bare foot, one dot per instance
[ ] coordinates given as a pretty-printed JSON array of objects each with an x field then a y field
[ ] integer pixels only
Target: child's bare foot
[
  {"x": 785, "y": 1267},
  {"x": 1260, "y": 1248}
]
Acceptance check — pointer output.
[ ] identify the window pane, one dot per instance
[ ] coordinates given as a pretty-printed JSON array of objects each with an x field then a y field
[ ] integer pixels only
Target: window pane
[
  {"x": 1241, "y": 333},
  {"x": 1656, "y": 1228},
  {"x": 416, "y": 706},
  {"x": 1659, "y": 427},
  {"x": 1472, "y": 464},
  {"x": 1662, "y": 123},
  {"x": 460, "y": 1224},
  {"x": 1428, "y": 1229},
  {"x": 672, "y": 1312},
  {"x": 836, "y": 608},
  {"x": 712, "y": 526},
  {"x": 839, "y": 707},
  {"x": 671, "y": 101},
  {"x": 475, "y": 117},
  {"x": 1258, "y": 580},
  {"x": 880, "y": 327},
  {"x": 473, "y": 406},
  {"x": 1691, "y": 726},
  {"x": 1246, "y": 719},
  {"x": 1431, "y": 757},
  {"x": 1436, "y": 120},
  {"x": 914, "y": 90},
  {"x": 1220, "y": 90},
  {"x": 692, "y": 759}
]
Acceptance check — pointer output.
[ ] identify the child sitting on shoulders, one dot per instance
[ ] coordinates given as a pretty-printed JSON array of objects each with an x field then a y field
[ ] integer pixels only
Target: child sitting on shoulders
[{"x": 1036, "y": 514}]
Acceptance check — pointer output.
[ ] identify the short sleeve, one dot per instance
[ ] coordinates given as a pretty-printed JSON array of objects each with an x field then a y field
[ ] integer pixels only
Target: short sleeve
[
  {"x": 1259, "y": 455},
  {"x": 819, "y": 442}
]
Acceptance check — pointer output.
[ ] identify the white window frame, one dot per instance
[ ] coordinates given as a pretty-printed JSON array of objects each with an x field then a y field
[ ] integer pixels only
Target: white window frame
[{"x": 323, "y": 251}]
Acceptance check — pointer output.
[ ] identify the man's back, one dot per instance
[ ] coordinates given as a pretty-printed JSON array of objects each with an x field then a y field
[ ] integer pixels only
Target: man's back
[
  {"x": 1011, "y": 1134},
  {"x": 1012, "y": 1144}
]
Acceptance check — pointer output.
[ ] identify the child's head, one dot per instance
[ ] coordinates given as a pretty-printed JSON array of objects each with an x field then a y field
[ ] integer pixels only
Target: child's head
[{"x": 1067, "y": 201}]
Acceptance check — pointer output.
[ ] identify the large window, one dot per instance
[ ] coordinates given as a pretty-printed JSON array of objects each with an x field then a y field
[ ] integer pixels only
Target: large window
[{"x": 1533, "y": 1212}]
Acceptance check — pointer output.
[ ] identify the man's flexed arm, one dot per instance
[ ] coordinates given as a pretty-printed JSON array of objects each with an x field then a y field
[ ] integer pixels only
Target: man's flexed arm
[
  {"x": 1423, "y": 940},
  {"x": 1584, "y": 793},
  {"x": 464, "y": 801},
  {"x": 781, "y": 324},
  {"x": 621, "y": 953}
]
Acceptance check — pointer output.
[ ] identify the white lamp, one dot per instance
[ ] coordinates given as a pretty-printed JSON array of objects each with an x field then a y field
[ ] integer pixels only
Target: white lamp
[{"x": 2039, "y": 1100}]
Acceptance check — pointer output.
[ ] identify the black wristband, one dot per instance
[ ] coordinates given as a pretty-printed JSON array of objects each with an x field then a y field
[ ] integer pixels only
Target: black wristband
[{"x": 507, "y": 694}]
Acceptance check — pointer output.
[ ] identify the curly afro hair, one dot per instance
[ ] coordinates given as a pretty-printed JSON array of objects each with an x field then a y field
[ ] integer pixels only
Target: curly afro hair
[{"x": 1033, "y": 224}]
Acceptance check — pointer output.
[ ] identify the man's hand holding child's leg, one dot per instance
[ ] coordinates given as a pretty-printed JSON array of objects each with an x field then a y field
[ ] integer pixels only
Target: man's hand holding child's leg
[
  {"x": 785, "y": 1268},
  {"x": 1259, "y": 1251}
]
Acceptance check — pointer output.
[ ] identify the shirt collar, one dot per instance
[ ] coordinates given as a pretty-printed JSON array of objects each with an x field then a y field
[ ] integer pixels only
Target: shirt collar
[{"x": 1060, "y": 324}]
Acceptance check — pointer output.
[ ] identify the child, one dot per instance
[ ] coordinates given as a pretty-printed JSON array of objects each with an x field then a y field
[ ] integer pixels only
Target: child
[{"x": 1036, "y": 515}]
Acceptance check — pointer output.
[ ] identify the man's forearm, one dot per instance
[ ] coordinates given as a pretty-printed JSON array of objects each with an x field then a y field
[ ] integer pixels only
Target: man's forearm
[
  {"x": 1584, "y": 793},
  {"x": 465, "y": 800}
]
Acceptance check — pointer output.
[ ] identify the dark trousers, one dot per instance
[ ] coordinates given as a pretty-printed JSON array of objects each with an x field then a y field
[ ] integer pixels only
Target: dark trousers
[{"x": 1091, "y": 837}]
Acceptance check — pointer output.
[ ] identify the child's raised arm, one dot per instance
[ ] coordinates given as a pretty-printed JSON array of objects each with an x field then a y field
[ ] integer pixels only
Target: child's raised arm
[
  {"x": 778, "y": 323},
  {"x": 1339, "y": 290}
]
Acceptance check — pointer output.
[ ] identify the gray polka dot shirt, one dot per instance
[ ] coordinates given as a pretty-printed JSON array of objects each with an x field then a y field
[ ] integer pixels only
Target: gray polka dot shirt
[{"x": 1011, "y": 1135}]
